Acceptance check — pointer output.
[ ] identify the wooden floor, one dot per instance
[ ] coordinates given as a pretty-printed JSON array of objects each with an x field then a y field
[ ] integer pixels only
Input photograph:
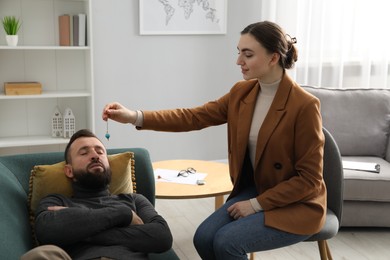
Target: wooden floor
[{"x": 184, "y": 216}]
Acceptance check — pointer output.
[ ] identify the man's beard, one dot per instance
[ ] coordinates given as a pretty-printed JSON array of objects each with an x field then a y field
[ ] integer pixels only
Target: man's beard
[{"x": 93, "y": 180}]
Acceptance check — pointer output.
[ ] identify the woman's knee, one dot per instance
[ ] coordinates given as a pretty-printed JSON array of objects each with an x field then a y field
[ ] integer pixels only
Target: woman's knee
[
  {"x": 223, "y": 240},
  {"x": 202, "y": 237},
  {"x": 225, "y": 246}
]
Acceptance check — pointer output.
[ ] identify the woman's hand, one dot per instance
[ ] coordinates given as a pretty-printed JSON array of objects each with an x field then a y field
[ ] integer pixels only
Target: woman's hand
[
  {"x": 117, "y": 112},
  {"x": 241, "y": 209}
]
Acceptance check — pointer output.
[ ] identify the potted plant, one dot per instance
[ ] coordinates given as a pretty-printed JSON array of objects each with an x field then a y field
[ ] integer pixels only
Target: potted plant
[{"x": 11, "y": 27}]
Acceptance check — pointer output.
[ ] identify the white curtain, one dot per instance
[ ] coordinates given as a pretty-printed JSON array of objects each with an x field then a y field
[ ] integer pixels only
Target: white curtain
[{"x": 341, "y": 43}]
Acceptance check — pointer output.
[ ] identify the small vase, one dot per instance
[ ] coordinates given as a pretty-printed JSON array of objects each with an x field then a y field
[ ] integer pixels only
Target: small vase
[{"x": 12, "y": 40}]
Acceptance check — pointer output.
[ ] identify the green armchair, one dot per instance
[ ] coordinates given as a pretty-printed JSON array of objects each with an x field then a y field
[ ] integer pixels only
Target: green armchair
[{"x": 15, "y": 230}]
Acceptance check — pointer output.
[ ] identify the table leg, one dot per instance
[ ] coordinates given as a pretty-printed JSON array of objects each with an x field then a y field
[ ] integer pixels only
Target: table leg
[{"x": 218, "y": 201}]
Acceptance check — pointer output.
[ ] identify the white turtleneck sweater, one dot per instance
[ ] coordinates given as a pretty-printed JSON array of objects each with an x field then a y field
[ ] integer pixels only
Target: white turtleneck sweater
[{"x": 264, "y": 100}]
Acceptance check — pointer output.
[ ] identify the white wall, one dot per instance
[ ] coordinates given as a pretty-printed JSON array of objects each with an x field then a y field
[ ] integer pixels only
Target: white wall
[{"x": 164, "y": 71}]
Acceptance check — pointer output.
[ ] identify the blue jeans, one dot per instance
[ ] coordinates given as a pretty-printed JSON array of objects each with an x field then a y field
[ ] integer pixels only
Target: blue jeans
[{"x": 222, "y": 237}]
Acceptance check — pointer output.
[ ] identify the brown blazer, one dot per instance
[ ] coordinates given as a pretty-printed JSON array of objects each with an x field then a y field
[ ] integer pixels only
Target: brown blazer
[{"x": 289, "y": 156}]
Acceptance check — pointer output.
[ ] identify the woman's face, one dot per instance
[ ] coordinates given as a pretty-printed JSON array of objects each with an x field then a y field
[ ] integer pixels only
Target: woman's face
[{"x": 255, "y": 61}]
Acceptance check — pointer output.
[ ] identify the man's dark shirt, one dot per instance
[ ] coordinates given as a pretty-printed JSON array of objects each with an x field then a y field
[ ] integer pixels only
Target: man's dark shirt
[{"x": 97, "y": 224}]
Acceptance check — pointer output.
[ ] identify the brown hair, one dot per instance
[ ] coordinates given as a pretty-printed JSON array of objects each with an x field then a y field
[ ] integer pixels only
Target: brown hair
[{"x": 272, "y": 37}]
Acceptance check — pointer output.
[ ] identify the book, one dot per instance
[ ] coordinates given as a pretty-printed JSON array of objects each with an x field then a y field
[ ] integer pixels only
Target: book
[
  {"x": 71, "y": 29},
  {"x": 75, "y": 30},
  {"x": 362, "y": 166},
  {"x": 80, "y": 30},
  {"x": 64, "y": 29}
]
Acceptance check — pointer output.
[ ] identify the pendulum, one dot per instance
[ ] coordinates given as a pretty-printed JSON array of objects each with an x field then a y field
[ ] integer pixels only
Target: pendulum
[{"x": 107, "y": 134}]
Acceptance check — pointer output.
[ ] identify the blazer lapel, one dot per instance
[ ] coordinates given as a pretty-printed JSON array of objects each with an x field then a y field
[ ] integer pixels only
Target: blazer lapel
[
  {"x": 244, "y": 121},
  {"x": 274, "y": 115}
]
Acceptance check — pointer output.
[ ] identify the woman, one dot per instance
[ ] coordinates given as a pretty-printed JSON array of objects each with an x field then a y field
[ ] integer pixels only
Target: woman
[{"x": 275, "y": 144}]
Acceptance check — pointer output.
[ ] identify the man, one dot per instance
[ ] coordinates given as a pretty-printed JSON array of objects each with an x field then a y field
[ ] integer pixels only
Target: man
[{"x": 94, "y": 224}]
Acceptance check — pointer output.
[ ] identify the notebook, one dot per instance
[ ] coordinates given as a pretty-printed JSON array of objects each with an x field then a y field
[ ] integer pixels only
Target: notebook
[{"x": 362, "y": 166}]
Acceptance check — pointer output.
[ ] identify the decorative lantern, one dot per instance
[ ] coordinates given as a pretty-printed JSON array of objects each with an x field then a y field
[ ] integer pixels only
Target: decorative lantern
[
  {"x": 69, "y": 123},
  {"x": 56, "y": 123}
]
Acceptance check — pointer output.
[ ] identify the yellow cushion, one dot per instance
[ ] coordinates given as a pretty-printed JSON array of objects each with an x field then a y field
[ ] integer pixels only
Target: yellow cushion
[{"x": 48, "y": 179}]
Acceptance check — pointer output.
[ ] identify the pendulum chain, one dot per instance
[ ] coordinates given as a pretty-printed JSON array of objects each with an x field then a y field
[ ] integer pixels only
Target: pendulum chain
[{"x": 107, "y": 134}]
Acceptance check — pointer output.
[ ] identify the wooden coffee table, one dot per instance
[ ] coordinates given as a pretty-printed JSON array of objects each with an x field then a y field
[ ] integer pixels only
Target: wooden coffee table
[{"x": 217, "y": 181}]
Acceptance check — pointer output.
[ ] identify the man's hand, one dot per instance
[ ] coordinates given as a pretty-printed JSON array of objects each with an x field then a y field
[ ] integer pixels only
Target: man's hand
[
  {"x": 136, "y": 219},
  {"x": 241, "y": 209},
  {"x": 55, "y": 208}
]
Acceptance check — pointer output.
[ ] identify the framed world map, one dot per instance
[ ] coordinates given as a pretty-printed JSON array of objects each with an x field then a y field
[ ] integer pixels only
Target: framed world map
[{"x": 182, "y": 16}]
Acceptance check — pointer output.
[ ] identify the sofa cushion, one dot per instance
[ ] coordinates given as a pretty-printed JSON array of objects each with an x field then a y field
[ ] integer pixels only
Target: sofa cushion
[
  {"x": 47, "y": 179},
  {"x": 367, "y": 186},
  {"x": 358, "y": 119}
]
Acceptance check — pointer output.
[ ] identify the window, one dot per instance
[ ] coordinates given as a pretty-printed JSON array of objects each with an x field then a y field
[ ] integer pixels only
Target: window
[{"x": 341, "y": 44}]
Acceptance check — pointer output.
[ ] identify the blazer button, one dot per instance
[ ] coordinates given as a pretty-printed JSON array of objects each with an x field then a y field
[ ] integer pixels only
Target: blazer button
[{"x": 278, "y": 166}]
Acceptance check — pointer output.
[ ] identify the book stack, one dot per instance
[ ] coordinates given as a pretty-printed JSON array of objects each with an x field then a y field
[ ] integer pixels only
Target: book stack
[{"x": 73, "y": 30}]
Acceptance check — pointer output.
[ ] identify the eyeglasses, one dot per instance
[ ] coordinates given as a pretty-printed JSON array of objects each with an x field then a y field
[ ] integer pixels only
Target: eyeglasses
[{"x": 185, "y": 173}]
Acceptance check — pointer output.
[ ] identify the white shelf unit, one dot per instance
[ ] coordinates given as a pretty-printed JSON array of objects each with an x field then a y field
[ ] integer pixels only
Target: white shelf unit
[{"x": 65, "y": 72}]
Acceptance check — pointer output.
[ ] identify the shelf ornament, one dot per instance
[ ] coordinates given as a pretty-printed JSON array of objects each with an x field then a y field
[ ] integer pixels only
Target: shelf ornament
[
  {"x": 11, "y": 27},
  {"x": 69, "y": 126},
  {"x": 57, "y": 123}
]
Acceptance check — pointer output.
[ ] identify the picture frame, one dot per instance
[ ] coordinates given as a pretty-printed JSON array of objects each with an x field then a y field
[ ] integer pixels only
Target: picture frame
[{"x": 182, "y": 17}]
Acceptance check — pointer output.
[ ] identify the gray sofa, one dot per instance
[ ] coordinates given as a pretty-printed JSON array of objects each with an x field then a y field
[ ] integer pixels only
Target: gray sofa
[{"x": 359, "y": 120}]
